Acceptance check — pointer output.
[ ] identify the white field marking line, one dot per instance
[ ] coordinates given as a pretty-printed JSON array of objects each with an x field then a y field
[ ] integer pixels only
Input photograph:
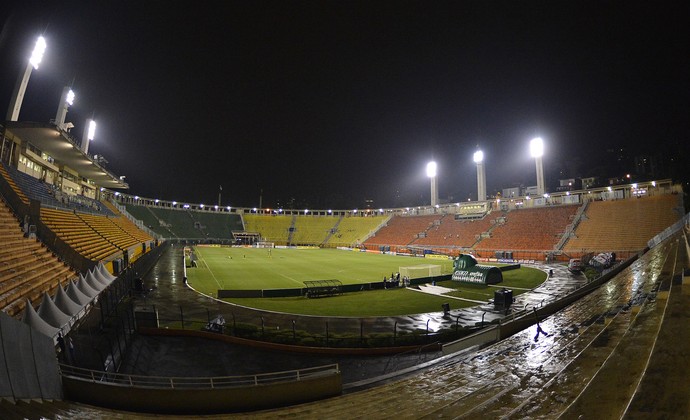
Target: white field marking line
[
  {"x": 290, "y": 278},
  {"x": 209, "y": 270}
]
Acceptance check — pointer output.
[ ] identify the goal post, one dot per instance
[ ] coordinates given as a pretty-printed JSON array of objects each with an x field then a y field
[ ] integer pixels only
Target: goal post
[
  {"x": 422, "y": 270},
  {"x": 263, "y": 244}
]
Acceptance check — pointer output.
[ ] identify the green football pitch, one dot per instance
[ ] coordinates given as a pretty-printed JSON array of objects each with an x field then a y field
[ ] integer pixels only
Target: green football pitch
[{"x": 277, "y": 268}]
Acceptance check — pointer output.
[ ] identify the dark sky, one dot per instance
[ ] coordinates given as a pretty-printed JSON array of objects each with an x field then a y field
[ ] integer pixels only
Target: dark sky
[{"x": 332, "y": 103}]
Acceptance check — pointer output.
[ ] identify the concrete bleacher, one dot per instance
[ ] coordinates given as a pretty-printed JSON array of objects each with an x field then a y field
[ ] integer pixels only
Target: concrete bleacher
[
  {"x": 179, "y": 222},
  {"x": 4, "y": 171},
  {"x": 455, "y": 233},
  {"x": 217, "y": 225},
  {"x": 623, "y": 225},
  {"x": 312, "y": 230},
  {"x": 48, "y": 195},
  {"x": 273, "y": 228},
  {"x": 27, "y": 268},
  {"x": 530, "y": 229},
  {"x": 354, "y": 230},
  {"x": 402, "y": 230},
  {"x": 93, "y": 236},
  {"x": 148, "y": 218}
]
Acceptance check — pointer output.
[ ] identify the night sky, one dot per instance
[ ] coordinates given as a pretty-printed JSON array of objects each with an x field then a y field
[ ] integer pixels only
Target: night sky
[{"x": 325, "y": 104}]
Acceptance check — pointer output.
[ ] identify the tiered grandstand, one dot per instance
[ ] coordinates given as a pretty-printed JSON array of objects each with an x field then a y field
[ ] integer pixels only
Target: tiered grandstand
[
  {"x": 535, "y": 229},
  {"x": 351, "y": 231},
  {"x": 273, "y": 228},
  {"x": 27, "y": 267},
  {"x": 403, "y": 230},
  {"x": 623, "y": 225}
]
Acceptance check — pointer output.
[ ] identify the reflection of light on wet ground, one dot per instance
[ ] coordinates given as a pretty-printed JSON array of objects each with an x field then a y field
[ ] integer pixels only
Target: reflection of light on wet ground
[{"x": 434, "y": 325}]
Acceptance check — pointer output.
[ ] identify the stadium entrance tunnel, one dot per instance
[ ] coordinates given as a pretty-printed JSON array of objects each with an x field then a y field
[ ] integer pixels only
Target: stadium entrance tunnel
[{"x": 466, "y": 270}]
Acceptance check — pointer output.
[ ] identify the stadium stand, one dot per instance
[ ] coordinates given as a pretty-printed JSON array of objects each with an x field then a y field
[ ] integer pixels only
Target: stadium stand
[
  {"x": 94, "y": 237},
  {"x": 312, "y": 230},
  {"x": 455, "y": 233},
  {"x": 530, "y": 229},
  {"x": 4, "y": 170},
  {"x": 403, "y": 230},
  {"x": 623, "y": 225},
  {"x": 48, "y": 195},
  {"x": 275, "y": 228},
  {"x": 27, "y": 268},
  {"x": 148, "y": 219},
  {"x": 216, "y": 225},
  {"x": 355, "y": 230}
]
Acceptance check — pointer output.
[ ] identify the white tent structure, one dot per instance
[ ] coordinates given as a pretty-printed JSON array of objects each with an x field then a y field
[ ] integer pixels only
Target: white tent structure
[
  {"x": 93, "y": 282},
  {"x": 32, "y": 319},
  {"x": 84, "y": 287},
  {"x": 67, "y": 304},
  {"x": 77, "y": 295},
  {"x": 104, "y": 272},
  {"x": 51, "y": 314}
]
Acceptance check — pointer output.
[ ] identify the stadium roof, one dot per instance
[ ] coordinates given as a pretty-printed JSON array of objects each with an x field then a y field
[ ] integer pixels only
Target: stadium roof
[{"x": 65, "y": 150}]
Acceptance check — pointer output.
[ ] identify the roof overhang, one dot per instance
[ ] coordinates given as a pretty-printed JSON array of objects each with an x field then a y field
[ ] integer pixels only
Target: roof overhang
[{"x": 65, "y": 150}]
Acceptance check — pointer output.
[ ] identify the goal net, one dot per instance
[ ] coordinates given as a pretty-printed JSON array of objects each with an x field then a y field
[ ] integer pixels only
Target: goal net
[
  {"x": 262, "y": 244},
  {"x": 419, "y": 271}
]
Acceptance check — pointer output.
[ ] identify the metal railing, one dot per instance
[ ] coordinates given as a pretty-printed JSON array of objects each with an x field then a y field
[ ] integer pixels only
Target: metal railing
[{"x": 175, "y": 382}]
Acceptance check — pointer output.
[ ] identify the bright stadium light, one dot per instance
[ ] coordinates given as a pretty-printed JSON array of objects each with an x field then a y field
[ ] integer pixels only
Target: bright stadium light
[
  {"x": 23, "y": 79},
  {"x": 536, "y": 149},
  {"x": 478, "y": 158},
  {"x": 431, "y": 171},
  {"x": 66, "y": 100},
  {"x": 37, "y": 54},
  {"x": 70, "y": 97},
  {"x": 92, "y": 130},
  {"x": 88, "y": 136}
]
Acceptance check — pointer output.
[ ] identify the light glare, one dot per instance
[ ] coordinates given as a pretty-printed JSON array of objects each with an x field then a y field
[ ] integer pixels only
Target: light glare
[
  {"x": 536, "y": 147},
  {"x": 37, "y": 54},
  {"x": 70, "y": 97},
  {"x": 92, "y": 130},
  {"x": 431, "y": 169},
  {"x": 478, "y": 156}
]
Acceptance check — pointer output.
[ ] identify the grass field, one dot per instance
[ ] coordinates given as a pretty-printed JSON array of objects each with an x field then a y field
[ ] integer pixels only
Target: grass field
[{"x": 250, "y": 268}]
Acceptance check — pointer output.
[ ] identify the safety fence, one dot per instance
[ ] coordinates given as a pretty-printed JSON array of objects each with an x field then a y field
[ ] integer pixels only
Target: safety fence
[{"x": 179, "y": 382}]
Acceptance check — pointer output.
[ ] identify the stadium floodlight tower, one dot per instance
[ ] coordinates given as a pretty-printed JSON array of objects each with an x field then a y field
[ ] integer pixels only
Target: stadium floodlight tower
[
  {"x": 23, "y": 80},
  {"x": 66, "y": 100},
  {"x": 536, "y": 149},
  {"x": 89, "y": 133},
  {"x": 431, "y": 173},
  {"x": 481, "y": 176}
]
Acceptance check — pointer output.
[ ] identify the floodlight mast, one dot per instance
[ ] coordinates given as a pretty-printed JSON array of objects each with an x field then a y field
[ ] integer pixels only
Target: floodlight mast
[
  {"x": 431, "y": 173},
  {"x": 536, "y": 148},
  {"x": 66, "y": 99},
  {"x": 89, "y": 133},
  {"x": 23, "y": 80},
  {"x": 481, "y": 175}
]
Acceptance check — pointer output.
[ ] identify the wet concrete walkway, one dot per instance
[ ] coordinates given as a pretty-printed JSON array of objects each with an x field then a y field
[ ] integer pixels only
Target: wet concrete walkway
[{"x": 590, "y": 360}]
